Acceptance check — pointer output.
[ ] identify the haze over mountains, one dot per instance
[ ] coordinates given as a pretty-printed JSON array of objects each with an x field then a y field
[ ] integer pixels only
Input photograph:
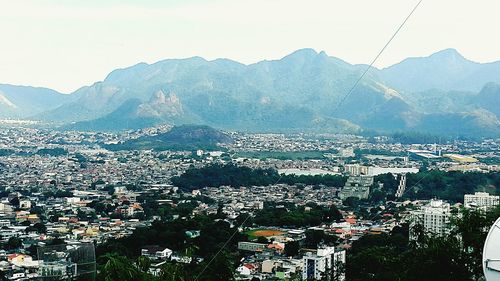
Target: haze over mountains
[
  {"x": 23, "y": 101},
  {"x": 442, "y": 94}
]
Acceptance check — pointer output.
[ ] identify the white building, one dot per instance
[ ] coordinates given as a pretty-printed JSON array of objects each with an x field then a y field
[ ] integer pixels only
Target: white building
[
  {"x": 164, "y": 254},
  {"x": 375, "y": 171},
  {"x": 434, "y": 217},
  {"x": 346, "y": 152},
  {"x": 317, "y": 265},
  {"x": 5, "y": 208},
  {"x": 4, "y": 223},
  {"x": 24, "y": 204},
  {"x": 482, "y": 200},
  {"x": 155, "y": 252},
  {"x": 73, "y": 200},
  {"x": 356, "y": 170},
  {"x": 251, "y": 246},
  {"x": 244, "y": 270}
]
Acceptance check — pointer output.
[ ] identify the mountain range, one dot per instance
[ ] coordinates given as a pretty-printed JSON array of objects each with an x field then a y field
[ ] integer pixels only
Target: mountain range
[
  {"x": 304, "y": 91},
  {"x": 23, "y": 101}
]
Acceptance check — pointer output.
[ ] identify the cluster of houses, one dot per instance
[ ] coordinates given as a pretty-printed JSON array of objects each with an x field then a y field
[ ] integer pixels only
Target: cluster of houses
[{"x": 65, "y": 186}]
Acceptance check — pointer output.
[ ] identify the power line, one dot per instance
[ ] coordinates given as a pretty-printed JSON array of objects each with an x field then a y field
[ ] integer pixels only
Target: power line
[
  {"x": 376, "y": 57},
  {"x": 406, "y": 190},
  {"x": 415, "y": 184},
  {"x": 234, "y": 233},
  {"x": 336, "y": 108}
]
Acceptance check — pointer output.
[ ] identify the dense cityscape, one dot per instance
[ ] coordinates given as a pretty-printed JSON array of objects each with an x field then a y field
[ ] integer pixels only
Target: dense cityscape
[
  {"x": 263, "y": 140},
  {"x": 260, "y": 207}
]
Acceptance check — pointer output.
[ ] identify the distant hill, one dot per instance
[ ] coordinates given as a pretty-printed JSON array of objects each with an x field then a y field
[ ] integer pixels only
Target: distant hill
[
  {"x": 185, "y": 137},
  {"x": 25, "y": 101},
  {"x": 489, "y": 98},
  {"x": 473, "y": 124},
  {"x": 135, "y": 114},
  {"x": 446, "y": 70}
]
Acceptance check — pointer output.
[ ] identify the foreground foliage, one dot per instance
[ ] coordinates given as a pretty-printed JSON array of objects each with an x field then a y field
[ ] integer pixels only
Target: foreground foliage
[{"x": 455, "y": 257}]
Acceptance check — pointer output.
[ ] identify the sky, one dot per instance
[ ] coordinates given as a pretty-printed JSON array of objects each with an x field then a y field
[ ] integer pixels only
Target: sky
[{"x": 67, "y": 44}]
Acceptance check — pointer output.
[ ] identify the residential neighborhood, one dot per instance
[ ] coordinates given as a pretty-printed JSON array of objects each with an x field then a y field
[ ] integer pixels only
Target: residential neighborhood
[{"x": 68, "y": 192}]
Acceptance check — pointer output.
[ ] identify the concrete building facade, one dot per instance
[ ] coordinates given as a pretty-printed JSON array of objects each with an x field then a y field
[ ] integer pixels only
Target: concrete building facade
[
  {"x": 434, "y": 217},
  {"x": 481, "y": 200},
  {"x": 326, "y": 260},
  {"x": 357, "y": 186}
]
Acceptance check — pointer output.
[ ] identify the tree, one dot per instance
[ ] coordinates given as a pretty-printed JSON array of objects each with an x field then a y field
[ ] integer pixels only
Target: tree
[
  {"x": 439, "y": 258},
  {"x": 316, "y": 237},
  {"x": 332, "y": 214},
  {"x": 14, "y": 202},
  {"x": 114, "y": 267},
  {"x": 220, "y": 213},
  {"x": 221, "y": 268},
  {"x": 453, "y": 257},
  {"x": 144, "y": 263},
  {"x": 376, "y": 196},
  {"x": 175, "y": 272},
  {"x": 262, "y": 239},
  {"x": 56, "y": 241},
  {"x": 14, "y": 243},
  {"x": 292, "y": 248},
  {"x": 40, "y": 227},
  {"x": 244, "y": 220},
  {"x": 375, "y": 263},
  {"x": 352, "y": 202},
  {"x": 32, "y": 250},
  {"x": 3, "y": 276},
  {"x": 473, "y": 226}
]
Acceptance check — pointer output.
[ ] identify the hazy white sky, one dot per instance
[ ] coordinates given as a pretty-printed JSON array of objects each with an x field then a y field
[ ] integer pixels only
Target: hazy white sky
[{"x": 66, "y": 44}]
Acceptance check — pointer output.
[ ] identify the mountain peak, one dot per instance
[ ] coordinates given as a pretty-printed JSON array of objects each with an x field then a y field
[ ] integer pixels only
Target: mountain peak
[
  {"x": 303, "y": 53},
  {"x": 449, "y": 53}
]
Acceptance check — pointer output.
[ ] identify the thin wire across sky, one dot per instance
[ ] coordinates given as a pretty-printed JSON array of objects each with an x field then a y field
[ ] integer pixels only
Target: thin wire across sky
[{"x": 398, "y": 29}]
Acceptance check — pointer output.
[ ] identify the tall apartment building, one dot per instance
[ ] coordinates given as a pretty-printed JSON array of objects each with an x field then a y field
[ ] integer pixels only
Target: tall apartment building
[
  {"x": 434, "y": 217},
  {"x": 356, "y": 186},
  {"x": 327, "y": 260},
  {"x": 481, "y": 200}
]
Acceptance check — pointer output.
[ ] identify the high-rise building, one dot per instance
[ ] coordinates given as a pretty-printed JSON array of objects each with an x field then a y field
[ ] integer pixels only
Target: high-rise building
[
  {"x": 356, "y": 186},
  {"x": 434, "y": 217},
  {"x": 481, "y": 200},
  {"x": 327, "y": 261}
]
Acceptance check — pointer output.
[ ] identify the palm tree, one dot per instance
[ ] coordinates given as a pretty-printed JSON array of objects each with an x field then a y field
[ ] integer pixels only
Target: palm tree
[
  {"x": 174, "y": 272},
  {"x": 118, "y": 268},
  {"x": 144, "y": 263}
]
